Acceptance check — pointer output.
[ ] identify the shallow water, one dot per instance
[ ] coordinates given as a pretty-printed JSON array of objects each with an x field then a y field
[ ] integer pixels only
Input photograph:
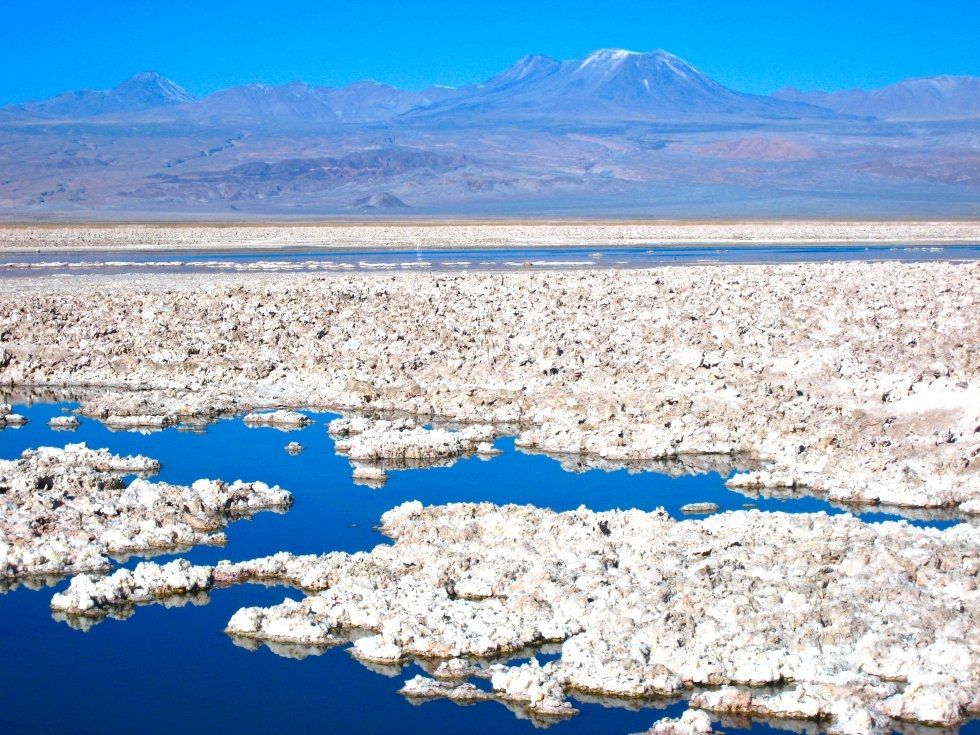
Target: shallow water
[
  {"x": 314, "y": 259},
  {"x": 174, "y": 670}
]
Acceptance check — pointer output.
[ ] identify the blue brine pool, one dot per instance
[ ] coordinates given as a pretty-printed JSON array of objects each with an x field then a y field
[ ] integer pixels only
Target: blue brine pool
[{"x": 173, "y": 670}]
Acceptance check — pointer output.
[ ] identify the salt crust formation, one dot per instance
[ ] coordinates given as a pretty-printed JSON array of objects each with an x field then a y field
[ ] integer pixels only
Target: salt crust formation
[
  {"x": 68, "y": 423},
  {"x": 854, "y": 623},
  {"x": 679, "y": 466},
  {"x": 511, "y": 234},
  {"x": 858, "y": 381},
  {"x": 136, "y": 422},
  {"x": 64, "y": 511},
  {"x": 403, "y": 441},
  {"x": 278, "y": 419},
  {"x": 692, "y": 722},
  {"x": 696, "y": 508},
  {"x": 8, "y": 418},
  {"x": 371, "y": 476},
  {"x": 375, "y": 446},
  {"x": 148, "y": 582}
]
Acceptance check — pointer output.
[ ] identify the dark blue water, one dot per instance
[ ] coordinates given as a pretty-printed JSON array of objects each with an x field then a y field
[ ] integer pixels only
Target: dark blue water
[
  {"x": 308, "y": 258},
  {"x": 173, "y": 670}
]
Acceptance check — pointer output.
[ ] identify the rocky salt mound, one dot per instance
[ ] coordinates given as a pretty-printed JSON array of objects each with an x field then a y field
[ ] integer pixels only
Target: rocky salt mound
[
  {"x": 89, "y": 595},
  {"x": 280, "y": 419},
  {"x": 699, "y": 508},
  {"x": 692, "y": 722},
  {"x": 64, "y": 423},
  {"x": 79, "y": 456},
  {"x": 926, "y": 492},
  {"x": 858, "y": 381},
  {"x": 856, "y": 623},
  {"x": 531, "y": 690},
  {"x": 374, "y": 445},
  {"x": 138, "y": 422},
  {"x": 64, "y": 511},
  {"x": 115, "y": 595},
  {"x": 371, "y": 476},
  {"x": 8, "y": 418},
  {"x": 680, "y": 466},
  {"x": 154, "y": 406}
]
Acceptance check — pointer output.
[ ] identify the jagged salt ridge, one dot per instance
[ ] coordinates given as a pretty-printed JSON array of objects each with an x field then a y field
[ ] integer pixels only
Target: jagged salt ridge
[
  {"x": 64, "y": 511},
  {"x": 860, "y": 622},
  {"x": 859, "y": 381}
]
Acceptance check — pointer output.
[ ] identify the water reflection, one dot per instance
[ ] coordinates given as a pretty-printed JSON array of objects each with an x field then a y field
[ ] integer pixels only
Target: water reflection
[{"x": 679, "y": 466}]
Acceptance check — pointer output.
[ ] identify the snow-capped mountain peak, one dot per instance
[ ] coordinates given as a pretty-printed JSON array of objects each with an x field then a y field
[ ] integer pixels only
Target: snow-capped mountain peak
[
  {"x": 607, "y": 57},
  {"x": 152, "y": 89}
]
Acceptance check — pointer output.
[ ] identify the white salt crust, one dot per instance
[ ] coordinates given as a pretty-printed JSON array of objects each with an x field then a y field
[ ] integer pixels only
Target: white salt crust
[
  {"x": 64, "y": 511},
  {"x": 859, "y": 624},
  {"x": 855, "y": 381}
]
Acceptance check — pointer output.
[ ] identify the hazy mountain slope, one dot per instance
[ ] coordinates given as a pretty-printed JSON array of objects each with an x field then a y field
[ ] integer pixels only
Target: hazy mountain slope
[
  {"x": 926, "y": 98},
  {"x": 302, "y": 103},
  {"x": 144, "y": 91},
  {"x": 369, "y": 101},
  {"x": 281, "y": 178},
  {"x": 260, "y": 103}
]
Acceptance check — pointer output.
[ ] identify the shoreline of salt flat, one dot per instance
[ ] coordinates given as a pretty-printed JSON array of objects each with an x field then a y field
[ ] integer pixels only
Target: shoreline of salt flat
[{"x": 29, "y": 237}]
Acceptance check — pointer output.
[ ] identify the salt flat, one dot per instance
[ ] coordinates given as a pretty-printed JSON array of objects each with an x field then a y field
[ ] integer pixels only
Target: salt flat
[
  {"x": 858, "y": 382},
  {"x": 503, "y": 233}
]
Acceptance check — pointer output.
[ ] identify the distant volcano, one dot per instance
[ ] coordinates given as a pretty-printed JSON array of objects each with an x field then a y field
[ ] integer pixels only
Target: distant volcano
[
  {"x": 143, "y": 91},
  {"x": 614, "y": 84}
]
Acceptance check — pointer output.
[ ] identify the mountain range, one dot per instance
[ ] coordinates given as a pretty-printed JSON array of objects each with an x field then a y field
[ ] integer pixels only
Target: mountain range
[
  {"x": 925, "y": 98},
  {"x": 614, "y": 131}
]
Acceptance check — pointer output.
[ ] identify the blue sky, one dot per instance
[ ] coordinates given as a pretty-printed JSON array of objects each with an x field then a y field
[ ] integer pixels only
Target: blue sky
[{"x": 51, "y": 46}]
